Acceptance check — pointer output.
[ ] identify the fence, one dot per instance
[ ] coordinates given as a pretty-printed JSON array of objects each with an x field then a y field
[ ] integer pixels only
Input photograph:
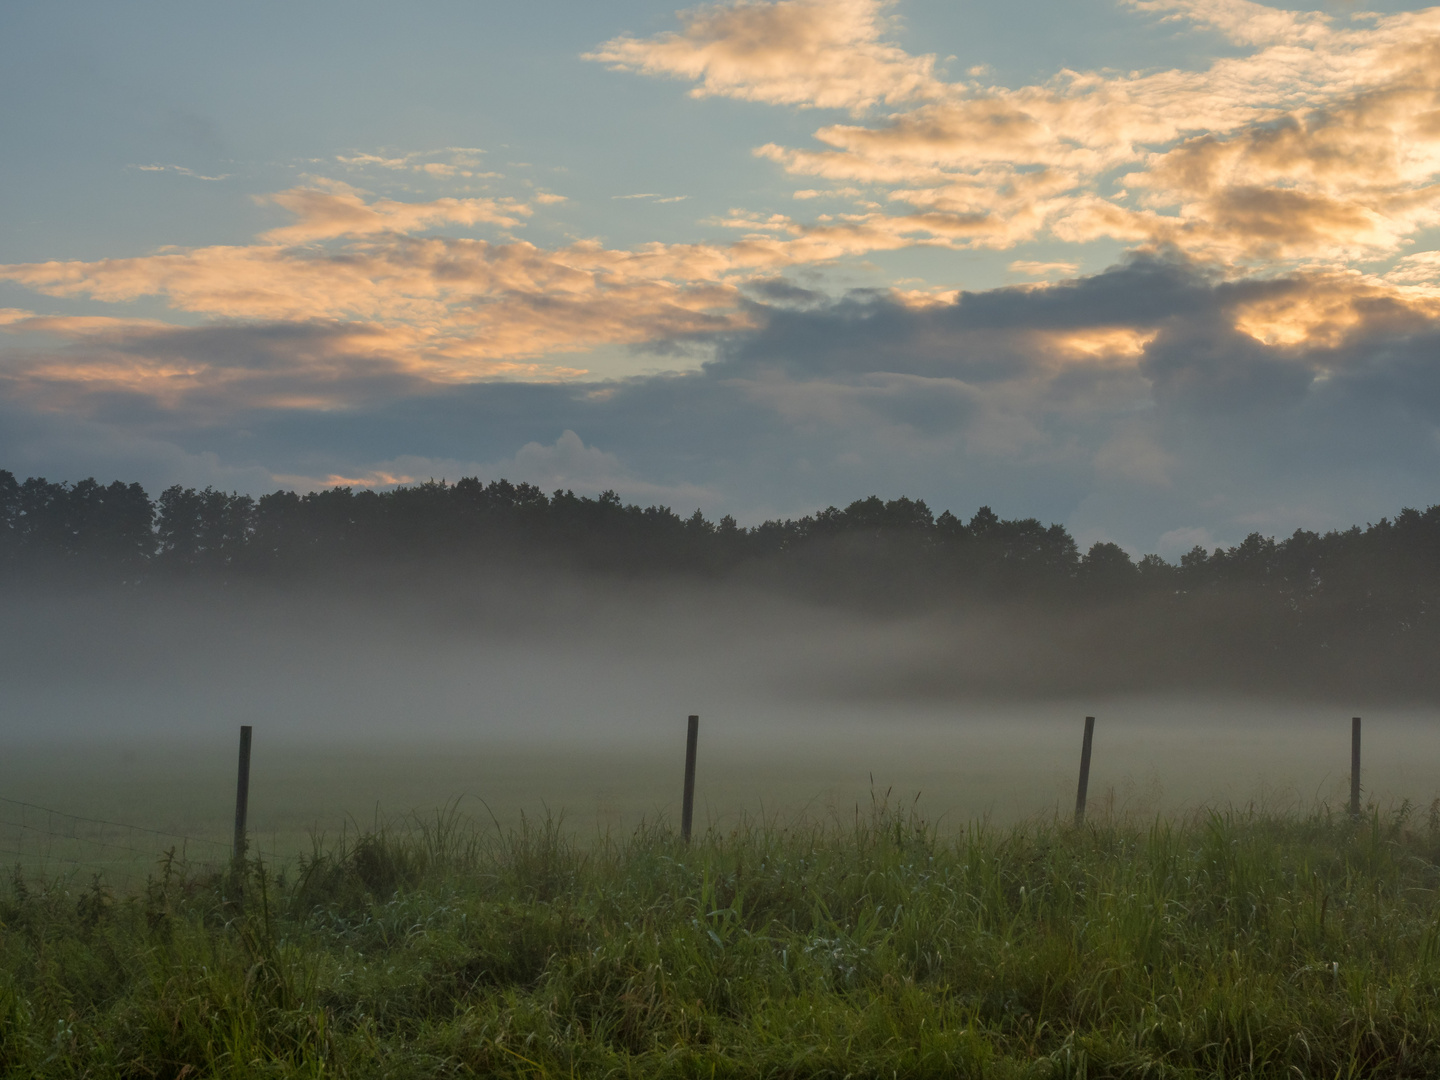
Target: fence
[
  {"x": 49, "y": 843},
  {"x": 38, "y": 840}
]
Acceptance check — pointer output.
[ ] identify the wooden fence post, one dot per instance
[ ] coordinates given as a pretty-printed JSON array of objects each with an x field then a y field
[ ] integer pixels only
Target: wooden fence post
[
  {"x": 1084, "y": 771},
  {"x": 1355, "y": 766},
  {"x": 242, "y": 794},
  {"x": 687, "y": 808}
]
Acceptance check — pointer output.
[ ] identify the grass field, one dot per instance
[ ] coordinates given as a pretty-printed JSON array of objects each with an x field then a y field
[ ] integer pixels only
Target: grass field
[
  {"x": 1220, "y": 944},
  {"x": 992, "y": 763}
]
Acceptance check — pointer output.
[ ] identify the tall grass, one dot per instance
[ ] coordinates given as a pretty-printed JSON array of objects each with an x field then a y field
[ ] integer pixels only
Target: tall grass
[{"x": 1223, "y": 944}]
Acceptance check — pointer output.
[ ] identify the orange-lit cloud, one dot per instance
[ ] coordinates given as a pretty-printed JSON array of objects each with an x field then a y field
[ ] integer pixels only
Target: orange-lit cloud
[
  {"x": 1242, "y": 21},
  {"x": 236, "y": 367},
  {"x": 1420, "y": 270},
  {"x": 807, "y": 53},
  {"x": 323, "y": 215},
  {"x": 1320, "y": 145},
  {"x": 461, "y": 308},
  {"x": 1331, "y": 309}
]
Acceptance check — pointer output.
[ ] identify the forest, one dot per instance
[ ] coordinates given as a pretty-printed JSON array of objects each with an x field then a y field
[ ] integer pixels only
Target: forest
[
  {"x": 118, "y": 532},
  {"x": 1353, "y": 604}
]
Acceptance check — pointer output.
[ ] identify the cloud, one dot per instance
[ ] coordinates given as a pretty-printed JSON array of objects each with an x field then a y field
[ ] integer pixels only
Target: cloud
[
  {"x": 460, "y": 308},
  {"x": 324, "y": 215},
  {"x": 1308, "y": 153},
  {"x": 1043, "y": 269},
  {"x": 440, "y": 311},
  {"x": 1135, "y": 454},
  {"x": 1177, "y": 542},
  {"x": 462, "y": 162},
  {"x": 216, "y": 373},
  {"x": 1242, "y": 21},
  {"x": 808, "y": 53},
  {"x": 1132, "y": 403},
  {"x": 569, "y": 464},
  {"x": 1421, "y": 268},
  {"x": 181, "y": 169},
  {"x": 1320, "y": 144},
  {"x": 467, "y": 305},
  {"x": 67, "y": 446},
  {"x": 836, "y": 193},
  {"x": 564, "y": 464},
  {"x": 378, "y": 160}
]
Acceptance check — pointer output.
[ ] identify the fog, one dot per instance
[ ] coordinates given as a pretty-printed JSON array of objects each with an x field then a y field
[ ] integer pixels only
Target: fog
[{"x": 532, "y": 693}]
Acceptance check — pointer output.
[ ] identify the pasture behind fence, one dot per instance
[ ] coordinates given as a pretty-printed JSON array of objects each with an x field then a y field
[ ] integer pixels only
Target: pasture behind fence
[{"x": 39, "y": 840}]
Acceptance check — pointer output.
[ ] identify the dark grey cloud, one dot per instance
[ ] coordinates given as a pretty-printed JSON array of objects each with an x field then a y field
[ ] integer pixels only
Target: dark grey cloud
[
  {"x": 987, "y": 335},
  {"x": 248, "y": 346},
  {"x": 1203, "y": 365},
  {"x": 782, "y": 292}
]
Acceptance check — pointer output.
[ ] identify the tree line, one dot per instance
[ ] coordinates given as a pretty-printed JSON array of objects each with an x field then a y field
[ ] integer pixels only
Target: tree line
[{"x": 895, "y": 548}]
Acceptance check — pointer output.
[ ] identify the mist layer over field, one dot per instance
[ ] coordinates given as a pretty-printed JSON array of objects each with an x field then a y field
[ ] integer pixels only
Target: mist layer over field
[{"x": 527, "y": 693}]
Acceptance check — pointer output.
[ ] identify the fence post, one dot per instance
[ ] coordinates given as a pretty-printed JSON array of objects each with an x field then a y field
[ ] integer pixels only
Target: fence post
[
  {"x": 687, "y": 808},
  {"x": 1355, "y": 766},
  {"x": 1084, "y": 771},
  {"x": 242, "y": 793}
]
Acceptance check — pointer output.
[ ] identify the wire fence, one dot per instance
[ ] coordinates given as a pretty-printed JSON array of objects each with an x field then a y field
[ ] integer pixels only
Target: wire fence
[{"x": 39, "y": 841}]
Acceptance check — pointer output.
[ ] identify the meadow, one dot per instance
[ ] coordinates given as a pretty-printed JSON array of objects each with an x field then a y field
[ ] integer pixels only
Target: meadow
[
  {"x": 998, "y": 763},
  {"x": 462, "y": 862},
  {"x": 863, "y": 945}
]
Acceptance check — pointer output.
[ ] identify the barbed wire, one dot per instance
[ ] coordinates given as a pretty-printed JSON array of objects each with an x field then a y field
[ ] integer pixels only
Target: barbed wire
[
  {"x": 115, "y": 824},
  {"x": 112, "y": 856},
  {"x": 28, "y": 854},
  {"x": 108, "y": 845}
]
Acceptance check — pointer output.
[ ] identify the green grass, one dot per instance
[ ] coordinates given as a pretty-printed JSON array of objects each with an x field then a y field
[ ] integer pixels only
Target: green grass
[
  {"x": 1003, "y": 764},
  {"x": 1221, "y": 944}
]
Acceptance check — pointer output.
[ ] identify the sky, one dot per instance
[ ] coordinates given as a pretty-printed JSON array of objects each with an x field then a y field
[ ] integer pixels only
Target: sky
[{"x": 1163, "y": 271}]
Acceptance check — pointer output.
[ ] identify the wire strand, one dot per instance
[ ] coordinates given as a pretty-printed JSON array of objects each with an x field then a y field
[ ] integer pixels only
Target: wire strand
[{"x": 115, "y": 824}]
